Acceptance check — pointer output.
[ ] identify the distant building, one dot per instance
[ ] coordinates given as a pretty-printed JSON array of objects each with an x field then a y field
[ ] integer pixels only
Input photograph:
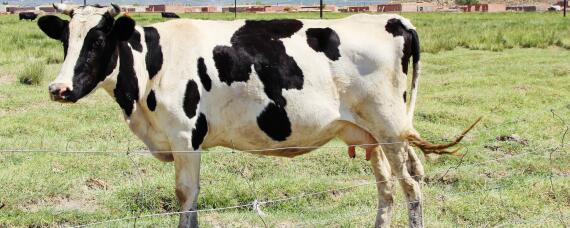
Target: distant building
[
  {"x": 4, "y": 8},
  {"x": 133, "y": 8},
  {"x": 406, "y": 7},
  {"x": 498, "y": 7},
  {"x": 357, "y": 9},
  {"x": 18, "y": 9},
  {"x": 202, "y": 9},
  {"x": 244, "y": 9},
  {"x": 166, "y": 8},
  {"x": 278, "y": 9},
  {"x": 522, "y": 8},
  {"x": 317, "y": 8}
]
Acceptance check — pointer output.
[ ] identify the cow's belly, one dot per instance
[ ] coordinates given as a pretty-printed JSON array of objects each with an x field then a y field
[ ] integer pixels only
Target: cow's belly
[{"x": 236, "y": 121}]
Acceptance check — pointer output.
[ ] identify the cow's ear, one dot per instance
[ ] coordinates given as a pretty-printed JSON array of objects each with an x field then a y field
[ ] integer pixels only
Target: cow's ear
[
  {"x": 53, "y": 26},
  {"x": 123, "y": 28}
]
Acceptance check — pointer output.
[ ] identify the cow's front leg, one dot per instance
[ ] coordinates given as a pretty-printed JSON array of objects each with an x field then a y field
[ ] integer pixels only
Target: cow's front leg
[{"x": 187, "y": 166}]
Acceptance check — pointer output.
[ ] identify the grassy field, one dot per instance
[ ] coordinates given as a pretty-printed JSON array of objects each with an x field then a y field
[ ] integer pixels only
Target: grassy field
[{"x": 510, "y": 68}]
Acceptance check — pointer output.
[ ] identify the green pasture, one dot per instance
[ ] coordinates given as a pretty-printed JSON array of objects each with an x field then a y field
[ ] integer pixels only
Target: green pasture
[{"x": 511, "y": 68}]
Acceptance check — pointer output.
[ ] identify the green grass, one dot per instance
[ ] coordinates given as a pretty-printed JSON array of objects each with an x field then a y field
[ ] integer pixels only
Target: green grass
[
  {"x": 32, "y": 74},
  {"x": 512, "y": 69}
]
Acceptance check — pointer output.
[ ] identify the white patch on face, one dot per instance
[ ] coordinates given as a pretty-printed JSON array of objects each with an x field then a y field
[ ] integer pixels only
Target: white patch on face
[{"x": 82, "y": 21}]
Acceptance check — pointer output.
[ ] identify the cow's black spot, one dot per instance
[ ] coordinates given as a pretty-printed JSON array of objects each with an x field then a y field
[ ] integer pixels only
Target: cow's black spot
[
  {"x": 127, "y": 90},
  {"x": 191, "y": 99},
  {"x": 154, "y": 51},
  {"x": 324, "y": 40},
  {"x": 396, "y": 28},
  {"x": 199, "y": 132},
  {"x": 151, "y": 101},
  {"x": 274, "y": 122},
  {"x": 97, "y": 59},
  {"x": 203, "y": 74},
  {"x": 258, "y": 44},
  {"x": 405, "y": 97},
  {"x": 232, "y": 66},
  {"x": 135, "y": 41}
]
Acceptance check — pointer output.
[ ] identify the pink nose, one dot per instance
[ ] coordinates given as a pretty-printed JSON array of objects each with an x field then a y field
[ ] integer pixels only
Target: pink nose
[{"x": 58, "y": 91}]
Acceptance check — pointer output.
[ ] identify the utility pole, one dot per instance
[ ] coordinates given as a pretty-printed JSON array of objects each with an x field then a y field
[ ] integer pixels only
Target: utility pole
[
  {"x": 235, "y": 9},
  {"x": 565, "y": 4},
  {"x": 321, "y": 9},
  {"x": 84, "y": 2}
]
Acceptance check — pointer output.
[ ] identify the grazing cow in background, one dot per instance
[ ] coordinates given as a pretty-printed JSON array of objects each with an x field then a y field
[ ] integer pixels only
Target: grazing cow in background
[
  {"x": 186, "y": 85},
  {"x": 169, "y": 15},
  {"x": 27, "y": 16}
]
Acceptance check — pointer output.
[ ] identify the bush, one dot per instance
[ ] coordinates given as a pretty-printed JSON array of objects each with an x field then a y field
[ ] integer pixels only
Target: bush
[{"x": 32, "y": 74}]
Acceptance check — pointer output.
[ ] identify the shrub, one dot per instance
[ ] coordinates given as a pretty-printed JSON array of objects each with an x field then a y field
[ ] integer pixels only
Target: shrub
[{"x": 32, "y": 74}]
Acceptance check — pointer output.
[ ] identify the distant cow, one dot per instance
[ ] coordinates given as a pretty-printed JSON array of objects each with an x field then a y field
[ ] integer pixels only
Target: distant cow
[
  {"x": 169, "y": 15},
  {"x": 188, "y": 85},
  {"x": 27, "y": 16}
]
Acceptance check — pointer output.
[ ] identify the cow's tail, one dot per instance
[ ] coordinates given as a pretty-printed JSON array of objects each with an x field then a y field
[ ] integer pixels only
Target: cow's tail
[
  {"x": 416, "y": 73},
  {"x": 412, "y": 136},
  {"x": 428, "y": 148}
]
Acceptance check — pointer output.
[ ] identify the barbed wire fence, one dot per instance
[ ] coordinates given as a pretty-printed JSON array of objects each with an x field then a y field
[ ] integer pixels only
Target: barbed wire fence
[{"x": 259, "y": 203}]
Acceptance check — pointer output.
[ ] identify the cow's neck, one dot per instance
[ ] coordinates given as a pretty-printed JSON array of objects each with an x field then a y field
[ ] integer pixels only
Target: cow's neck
[{"x": 127, "y": 84}]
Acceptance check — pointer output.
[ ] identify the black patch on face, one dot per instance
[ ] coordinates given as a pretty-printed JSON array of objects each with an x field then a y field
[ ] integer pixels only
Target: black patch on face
[
  {"x": 135, "y": 41},
  {"x": 203, "y": 74},
  {"x": 396, "y": 28},
  {"x": 154, "y": 51},
  {"x": 324, "y": 40},
  {"x": 191, "y": 99},
  {"x": 258, "y": 44},
  {"x": 151, "y": 101},
  {"x": 405, "y": 97},
  {"x": 96, "y": 59},
  {"x": 127, "y": 89},
  {"x": 274, "y": 122},
  {"x": 199, "y": 132}
]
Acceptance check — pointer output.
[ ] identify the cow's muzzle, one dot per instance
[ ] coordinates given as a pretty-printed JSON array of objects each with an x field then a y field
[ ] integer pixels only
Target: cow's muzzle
[{"x": 59, "y": 92}]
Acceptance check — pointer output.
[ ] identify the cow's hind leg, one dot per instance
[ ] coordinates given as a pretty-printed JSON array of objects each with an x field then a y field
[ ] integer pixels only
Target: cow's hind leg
[
  {"x": 381, "y": 170},
  {"x": 187, "y": 166},
  {"x": 397, "y": 155},
  {"x": 415, "y": 167}
]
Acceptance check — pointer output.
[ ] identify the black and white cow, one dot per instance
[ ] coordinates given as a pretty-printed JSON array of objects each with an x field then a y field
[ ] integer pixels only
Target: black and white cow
[
  {"x": 27, "y": 16},
  {"x": 169, "y": 15},
  {"x": 186, "y": 85}
]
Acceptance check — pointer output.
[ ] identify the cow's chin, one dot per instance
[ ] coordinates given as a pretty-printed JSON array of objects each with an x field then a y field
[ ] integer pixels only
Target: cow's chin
[{"x": 63, "y": 99}]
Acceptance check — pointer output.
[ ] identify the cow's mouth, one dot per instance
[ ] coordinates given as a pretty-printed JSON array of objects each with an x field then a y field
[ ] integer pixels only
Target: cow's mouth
[
  {"x": 60, "y": 93},
  {"x": 60, "y": 99}
]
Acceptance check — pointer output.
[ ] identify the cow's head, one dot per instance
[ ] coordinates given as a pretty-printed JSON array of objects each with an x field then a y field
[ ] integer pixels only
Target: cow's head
[{"x": 90, "y": 41}]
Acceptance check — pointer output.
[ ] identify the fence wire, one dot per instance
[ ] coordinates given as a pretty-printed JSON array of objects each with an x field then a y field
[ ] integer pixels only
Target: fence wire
[{"x": 256, "y": 206}]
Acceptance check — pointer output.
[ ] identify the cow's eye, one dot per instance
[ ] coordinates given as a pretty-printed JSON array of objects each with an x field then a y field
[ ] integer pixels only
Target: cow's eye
[{"x": 98, "y": 43}]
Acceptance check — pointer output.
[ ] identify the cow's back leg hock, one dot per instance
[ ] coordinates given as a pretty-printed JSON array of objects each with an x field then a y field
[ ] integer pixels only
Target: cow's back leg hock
[
  {"x": 187, "y": 165},
  {"x": 381, "y": 170},
  {"x": 397, "y": 155}
]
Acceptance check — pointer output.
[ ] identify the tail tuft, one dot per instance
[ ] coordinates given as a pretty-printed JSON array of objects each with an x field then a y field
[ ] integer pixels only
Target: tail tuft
[{"x": 429, "y": 148}]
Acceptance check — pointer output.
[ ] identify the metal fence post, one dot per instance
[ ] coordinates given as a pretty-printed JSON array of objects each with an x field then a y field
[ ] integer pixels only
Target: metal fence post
[
  {"x": 321, "y": 9},
  {"x": 565, "y": 4}
]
